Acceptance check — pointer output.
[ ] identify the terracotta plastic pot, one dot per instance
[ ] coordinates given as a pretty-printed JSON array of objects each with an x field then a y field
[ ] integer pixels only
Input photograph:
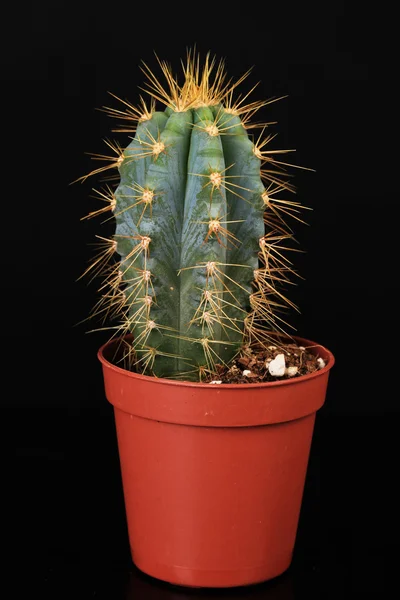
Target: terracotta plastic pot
[{"x": 213, "y": 476}]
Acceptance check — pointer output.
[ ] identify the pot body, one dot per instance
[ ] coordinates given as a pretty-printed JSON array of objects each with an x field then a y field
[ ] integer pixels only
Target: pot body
[{"x": 213, "y": 476}]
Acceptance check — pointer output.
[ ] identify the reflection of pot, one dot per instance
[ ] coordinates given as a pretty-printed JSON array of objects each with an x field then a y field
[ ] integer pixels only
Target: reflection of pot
[
  {"x": 143, "y": 587},
  {"x": 213, "y": 476}
]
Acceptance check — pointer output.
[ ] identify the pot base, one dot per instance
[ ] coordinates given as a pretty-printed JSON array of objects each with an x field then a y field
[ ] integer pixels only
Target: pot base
[{"x": 195, "y": 578}]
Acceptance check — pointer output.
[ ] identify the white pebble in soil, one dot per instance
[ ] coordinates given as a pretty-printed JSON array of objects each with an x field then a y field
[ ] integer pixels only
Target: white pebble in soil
[
  {"x": 321, "y": 363},
  {"x": 246, "y": 372},
  {"x": 277, "y": 366},
  {"x": 291, "y": 371}
]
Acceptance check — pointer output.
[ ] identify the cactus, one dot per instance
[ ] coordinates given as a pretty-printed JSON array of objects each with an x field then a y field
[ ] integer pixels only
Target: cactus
[{"x": 200, "y": 235}]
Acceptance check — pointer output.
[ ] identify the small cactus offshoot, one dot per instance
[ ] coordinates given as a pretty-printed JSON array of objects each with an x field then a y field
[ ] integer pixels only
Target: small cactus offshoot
[{"x": 197, "y": 263}]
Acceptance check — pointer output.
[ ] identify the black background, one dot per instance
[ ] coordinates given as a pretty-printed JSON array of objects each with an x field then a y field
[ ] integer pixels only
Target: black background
[{"x": 336, "y": 63}]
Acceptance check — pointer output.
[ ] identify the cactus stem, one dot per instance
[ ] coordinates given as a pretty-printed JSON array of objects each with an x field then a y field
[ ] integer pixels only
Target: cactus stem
[{"x": 212, "y": 301}]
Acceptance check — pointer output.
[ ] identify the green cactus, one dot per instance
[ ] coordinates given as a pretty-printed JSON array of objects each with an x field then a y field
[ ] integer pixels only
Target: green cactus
[{"x": 200, "y": 235}]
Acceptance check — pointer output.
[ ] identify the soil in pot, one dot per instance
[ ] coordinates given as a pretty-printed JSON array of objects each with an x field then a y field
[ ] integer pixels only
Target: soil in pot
[{"x": 256, "y": 364}]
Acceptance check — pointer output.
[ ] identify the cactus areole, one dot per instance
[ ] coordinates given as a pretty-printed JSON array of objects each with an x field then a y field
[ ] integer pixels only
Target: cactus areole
[{"x": 196, "y": 265}]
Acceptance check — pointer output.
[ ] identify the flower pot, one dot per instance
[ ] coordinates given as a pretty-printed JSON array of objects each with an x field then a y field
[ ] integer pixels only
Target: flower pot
[{"x": 213, "y": 475}]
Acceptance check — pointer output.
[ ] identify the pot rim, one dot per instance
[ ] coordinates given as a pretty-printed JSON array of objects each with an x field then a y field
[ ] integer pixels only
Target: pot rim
[{"x": 327, "y": 355}]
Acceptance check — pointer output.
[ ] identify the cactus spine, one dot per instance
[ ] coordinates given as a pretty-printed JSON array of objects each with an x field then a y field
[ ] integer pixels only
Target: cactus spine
[{"x": 200, "y": 234}]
